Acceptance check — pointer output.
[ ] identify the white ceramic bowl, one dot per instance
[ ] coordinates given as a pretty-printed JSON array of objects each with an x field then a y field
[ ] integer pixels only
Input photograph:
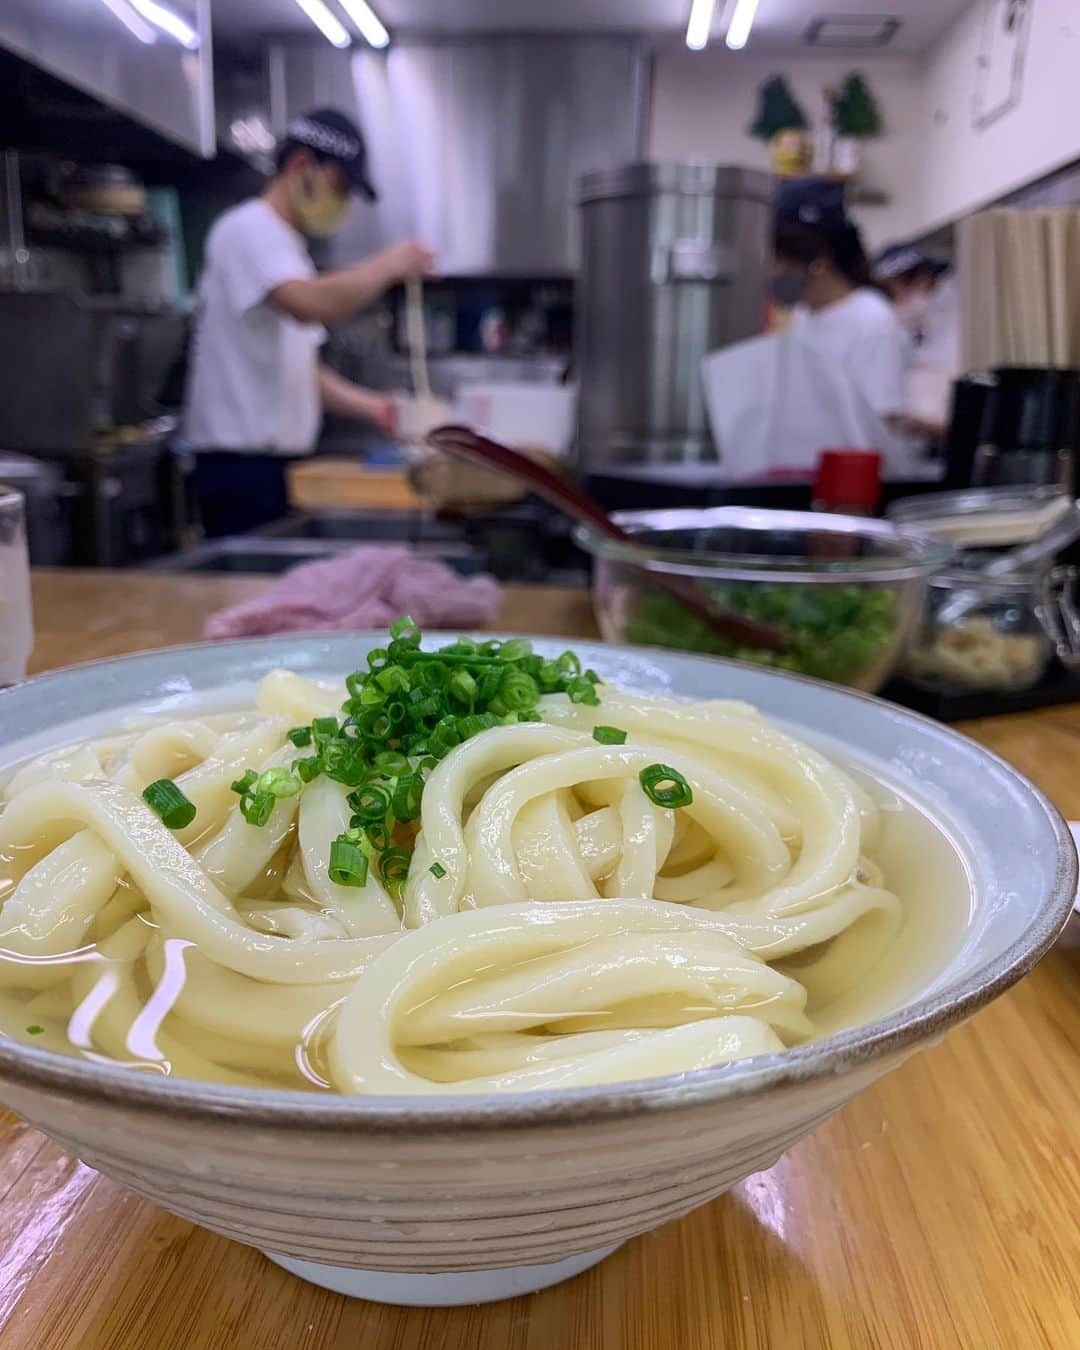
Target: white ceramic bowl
[{"x": 461, "y": 1199}]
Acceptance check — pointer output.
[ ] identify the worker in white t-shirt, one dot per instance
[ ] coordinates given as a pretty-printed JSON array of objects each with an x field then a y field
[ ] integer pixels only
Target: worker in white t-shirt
[
  {"x": 257, "y": 389},
  {"x": 822, "y": 270},
  {"x": 925, "y": 298}
]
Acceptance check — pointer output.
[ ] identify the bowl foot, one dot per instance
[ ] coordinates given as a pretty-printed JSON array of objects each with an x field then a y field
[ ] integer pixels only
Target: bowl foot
[{"x": 441, "y": 1291}]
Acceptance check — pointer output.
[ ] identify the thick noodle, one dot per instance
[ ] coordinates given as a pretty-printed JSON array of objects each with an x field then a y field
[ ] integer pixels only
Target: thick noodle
[{"x": 556, "y": 928}]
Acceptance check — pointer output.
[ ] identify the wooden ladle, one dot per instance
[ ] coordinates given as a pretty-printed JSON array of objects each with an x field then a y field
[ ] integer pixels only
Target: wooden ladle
[{"x": 466, "y": 444}]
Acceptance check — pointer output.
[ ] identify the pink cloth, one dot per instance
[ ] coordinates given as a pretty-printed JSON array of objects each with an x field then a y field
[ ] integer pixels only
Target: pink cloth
[{"x": 363, "y": 588}]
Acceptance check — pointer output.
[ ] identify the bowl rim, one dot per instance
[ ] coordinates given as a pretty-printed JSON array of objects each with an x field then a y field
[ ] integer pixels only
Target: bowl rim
[
  {"x": 898, "y": 1032},
  {"x": 917, "y": 553}
]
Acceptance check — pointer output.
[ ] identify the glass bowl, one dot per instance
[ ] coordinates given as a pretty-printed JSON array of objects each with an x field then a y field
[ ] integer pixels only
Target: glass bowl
[{"x": 849, "y": 591}]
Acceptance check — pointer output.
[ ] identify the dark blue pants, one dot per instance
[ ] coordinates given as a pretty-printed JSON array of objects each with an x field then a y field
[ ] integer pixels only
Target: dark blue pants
[{"x": 236, "y": 492}]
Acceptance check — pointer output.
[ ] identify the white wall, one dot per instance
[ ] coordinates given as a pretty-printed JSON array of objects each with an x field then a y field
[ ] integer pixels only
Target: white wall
[
  {"x": 702, "y": 103},
  {"x": 964, "y": 167},
  {"x": 934, "y": 162}
]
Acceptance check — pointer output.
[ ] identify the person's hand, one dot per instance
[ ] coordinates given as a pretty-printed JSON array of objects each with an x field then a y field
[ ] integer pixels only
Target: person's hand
[
  {"x": 409, "y": 260},
  {"x": 381, "y": 410}
]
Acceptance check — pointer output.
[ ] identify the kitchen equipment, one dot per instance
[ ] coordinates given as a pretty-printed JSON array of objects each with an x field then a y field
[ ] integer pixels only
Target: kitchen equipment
[
  {"x": 106, "y": 188},
  {"x": 16, "y": 625},
  {"x": 849, "y": 591},
  {"x": 545, "y": 1182},
  {"x": 717, "y": 618},
  {"x": 47, "y": 500},
  {"x": 526, "y": 415},
  {"x": 674, "y": 260},
  {"x": 113, "y": 359},
  {"x": 1031, "y": 433}
]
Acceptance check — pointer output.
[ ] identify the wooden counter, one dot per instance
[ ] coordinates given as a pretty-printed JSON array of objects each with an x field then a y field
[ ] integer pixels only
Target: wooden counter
[{"x": 940, "y": 1209}]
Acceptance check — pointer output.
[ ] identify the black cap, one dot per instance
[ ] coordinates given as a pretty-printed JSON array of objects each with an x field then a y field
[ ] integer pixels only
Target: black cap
[
  {"x": 811, "y": 201},
  {"x": 332, "y": 135}
]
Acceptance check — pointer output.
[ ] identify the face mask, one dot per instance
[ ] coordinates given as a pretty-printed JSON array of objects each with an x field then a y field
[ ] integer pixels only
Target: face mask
[
  {"x": 788, "y": 287},
  {"x": 912, "y": 311},
  {"x": 321, "y": 209}
]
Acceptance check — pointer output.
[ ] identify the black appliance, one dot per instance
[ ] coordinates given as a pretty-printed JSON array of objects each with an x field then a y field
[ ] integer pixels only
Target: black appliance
[{"x": 1015, "y": 426}]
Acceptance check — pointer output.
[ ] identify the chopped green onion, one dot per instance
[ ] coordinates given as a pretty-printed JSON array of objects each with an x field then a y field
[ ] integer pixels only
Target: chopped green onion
[
  {"x": 324, "y": 727},
  {"x": 246, "y": 782},
  {"x": 392, "y": 680},
  {"x": 307, "y": 769},
  {"x": 665, "y": 786},
  {"x": 405, "y": 630},
  {"x": 279, "y": 782},
  {"x": 35, "y": 1030},
  {"x": 371, "y": 802},
  {"x": 376, "y": 659},
  {"x": 394, "y": 865},
  {"x": 609, "y": 735},
  {"x": 462, "y": 686},
  {"x": 437, "y": 870},
  {"x": 581, "y": 690},
  {"x": 391, "y": 763},
  {"x": 519, "y": 691},
  {"x": 514, "y": 650},
  {"x": 348, "y": 863},
  {"x": 169, "y": 802},
  {"x": 405, "y": 803},
  {"x": 256, "y": 807},
  {"x": 300, "y": 736}
]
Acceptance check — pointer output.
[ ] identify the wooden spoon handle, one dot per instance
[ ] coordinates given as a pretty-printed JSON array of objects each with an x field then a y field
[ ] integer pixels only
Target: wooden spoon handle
[{"x": 466, "y": 444}]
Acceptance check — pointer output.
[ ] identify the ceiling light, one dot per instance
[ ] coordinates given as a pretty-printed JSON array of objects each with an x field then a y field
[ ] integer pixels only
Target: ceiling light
[
  {"x": 161, "y": 16},
  {"x": 742, "y": 20},
  {"x": 329, "y": 25},
  {"x": 369, "y": 23},
  {"x": 700, "y": 24},
  {"x": 122, "y": 10}
]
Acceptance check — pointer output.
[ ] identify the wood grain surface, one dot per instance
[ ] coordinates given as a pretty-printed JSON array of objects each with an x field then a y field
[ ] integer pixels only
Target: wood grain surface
[{"x": 940, "y": 1209}]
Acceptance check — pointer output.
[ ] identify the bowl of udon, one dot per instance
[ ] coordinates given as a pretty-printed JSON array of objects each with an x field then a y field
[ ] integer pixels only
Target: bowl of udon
[{"x": 436, "y": 969}]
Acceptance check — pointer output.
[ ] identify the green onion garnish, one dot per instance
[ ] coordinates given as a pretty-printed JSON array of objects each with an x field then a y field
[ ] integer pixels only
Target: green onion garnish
[
  {"x": 370, "y": 803},
  {"x": 405, "y": 802},
  {"x": 437, "y": 870},
  {"x": 169, "y": 802},
  {"x": 348, "y": 863},
  {"x": 394, "y": 865},
  {"x": 307, "y": 769},
  {"x": 406, "y": 710},
  {"x": 665, "y": 786},
  {"x": 279, "y": 782},
  {"x": 255, "y": 807},
  {"x": 609, "y": 735},
  {"x": 35, "y": 1030}
]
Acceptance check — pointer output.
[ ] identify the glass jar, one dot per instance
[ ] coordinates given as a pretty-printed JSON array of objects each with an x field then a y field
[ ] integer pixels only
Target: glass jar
[
  {"x": 16, "y": 629},
  {"x": 981, "y": 633}
]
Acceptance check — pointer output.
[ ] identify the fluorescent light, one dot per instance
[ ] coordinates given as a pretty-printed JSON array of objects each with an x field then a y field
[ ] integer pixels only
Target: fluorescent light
[
  {"x": 700, "y": 24},
  {"x": 367, "y": 21},
  {"x": 161, "y": 16},
  {"x": 329, "y": 25},
  {"x": 122, "y": 10},
  {"x": 742, "y": 20}
]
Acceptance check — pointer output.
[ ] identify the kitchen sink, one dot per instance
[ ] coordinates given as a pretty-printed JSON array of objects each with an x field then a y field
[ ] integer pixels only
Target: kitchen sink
[{"x": 261, "y": 554}]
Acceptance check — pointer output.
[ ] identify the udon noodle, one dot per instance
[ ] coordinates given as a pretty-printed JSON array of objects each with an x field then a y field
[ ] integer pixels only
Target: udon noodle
[{"x": 556, "y": 928}]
